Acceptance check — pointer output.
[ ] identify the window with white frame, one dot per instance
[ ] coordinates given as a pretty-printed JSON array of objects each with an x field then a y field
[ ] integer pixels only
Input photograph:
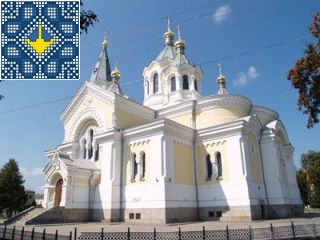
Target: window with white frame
[
  {"x": 134, "y": 167},
  {"x": 219, "y": 165},
  {"x": 142, "y": 165},
  {"x": 208, "y": 167},
  {"x": 185, "y": 82},
  {"x": 173, "y": 84},
  {"x": 155, "y": 83},
  {"x": 89, "y": 149}
]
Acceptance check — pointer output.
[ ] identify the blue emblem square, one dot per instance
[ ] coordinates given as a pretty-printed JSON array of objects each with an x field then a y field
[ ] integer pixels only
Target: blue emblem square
[{"x": 40, "y": 40}]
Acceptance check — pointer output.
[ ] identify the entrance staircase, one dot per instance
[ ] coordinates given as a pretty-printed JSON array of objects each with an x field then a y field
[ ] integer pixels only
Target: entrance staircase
[
  {"x": 20, "y": 219},
  {"x": 52, "y": 215}
]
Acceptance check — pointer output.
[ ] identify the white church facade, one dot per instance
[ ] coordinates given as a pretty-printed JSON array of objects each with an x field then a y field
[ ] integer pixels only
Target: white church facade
[{"x": 178, "y": 156}]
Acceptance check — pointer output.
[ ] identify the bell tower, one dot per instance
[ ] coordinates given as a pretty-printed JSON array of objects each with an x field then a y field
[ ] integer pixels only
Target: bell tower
[{"x": 171, "y": 78}]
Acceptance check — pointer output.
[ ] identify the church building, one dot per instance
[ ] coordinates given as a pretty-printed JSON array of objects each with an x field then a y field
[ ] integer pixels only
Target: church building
[{"x": 178, "y": 156}]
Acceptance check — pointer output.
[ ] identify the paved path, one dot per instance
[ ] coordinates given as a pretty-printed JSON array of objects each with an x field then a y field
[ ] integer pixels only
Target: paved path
[{"x": 64, "y": 229}]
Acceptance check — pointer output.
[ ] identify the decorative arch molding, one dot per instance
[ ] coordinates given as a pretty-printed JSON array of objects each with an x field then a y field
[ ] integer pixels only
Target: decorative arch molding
[
  {"x": 83, "y": 119},
  {"x": 279, "y": 129},
  {"x": 55, "y": 178}
]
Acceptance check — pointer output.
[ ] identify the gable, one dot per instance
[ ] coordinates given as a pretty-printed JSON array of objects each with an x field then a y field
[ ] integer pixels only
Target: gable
[
  {"x": 90, "y": 106},
  {"x": 95, "y": 106}
]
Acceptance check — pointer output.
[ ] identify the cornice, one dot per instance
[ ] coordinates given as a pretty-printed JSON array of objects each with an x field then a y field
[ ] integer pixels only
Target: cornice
[
  {"x": 224, "y": 101},
  {"x": 176, "y": 110},
  {"x": 225, "y": 130},
  {"x": 157, "y": 127}
]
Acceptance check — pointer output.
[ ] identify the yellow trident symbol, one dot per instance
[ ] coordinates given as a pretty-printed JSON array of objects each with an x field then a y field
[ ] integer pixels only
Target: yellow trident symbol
[{"x": 40, "y": 45}]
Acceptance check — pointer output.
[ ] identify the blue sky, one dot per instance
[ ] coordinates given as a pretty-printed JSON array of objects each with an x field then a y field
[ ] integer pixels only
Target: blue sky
[{"x": 256, "y": 43}]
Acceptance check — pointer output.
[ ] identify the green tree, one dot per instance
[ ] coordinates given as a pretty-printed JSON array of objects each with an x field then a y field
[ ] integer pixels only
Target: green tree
[
  {"x": 302, "y": 179},
  {"x": 309, "y": 178},
  {"x": 305, "y": 76},
  {"x": 12, "y": 194},
  {"x": 87, "y": 19}
]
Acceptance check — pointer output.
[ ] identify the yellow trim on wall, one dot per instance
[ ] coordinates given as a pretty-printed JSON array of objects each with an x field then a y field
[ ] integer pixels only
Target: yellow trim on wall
[
  {"x": 212, "y": 149},
  {"x": 137, "y": 148},
  {"x": 255, "y": 160},
  {"x": 126, "y": 120},
  {"x": 183, "y": 166},
  {"x": 183, "y": 119},
  {"x": 215, "y": 116}
]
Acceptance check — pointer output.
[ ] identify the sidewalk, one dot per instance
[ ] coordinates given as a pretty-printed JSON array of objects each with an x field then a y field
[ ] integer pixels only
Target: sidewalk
[{"x": 66, "y": 228}]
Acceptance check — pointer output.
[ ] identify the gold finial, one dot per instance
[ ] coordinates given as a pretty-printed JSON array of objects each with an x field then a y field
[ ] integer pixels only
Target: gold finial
[
  {"x": 168, "y": 35},
  {"x": 105, "y": 42},
  {"x": 221, "y": 80}
]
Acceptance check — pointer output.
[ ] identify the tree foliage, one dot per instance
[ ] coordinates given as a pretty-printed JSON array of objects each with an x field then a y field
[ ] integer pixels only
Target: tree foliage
[
  {"x": 12, "y": 194},
  {"x": 308, "y": 178},
  {"x": 305, "y": 76},
  {"x": 302, "y": 180},
  {"x": 87, "y": 19}
]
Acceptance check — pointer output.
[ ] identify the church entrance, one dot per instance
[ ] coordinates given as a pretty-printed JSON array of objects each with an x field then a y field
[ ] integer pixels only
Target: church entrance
[{"x": 58, "y": 192}]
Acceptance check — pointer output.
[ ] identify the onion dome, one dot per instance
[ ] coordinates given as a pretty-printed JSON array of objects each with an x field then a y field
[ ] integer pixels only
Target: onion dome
[
  {"x": 180, "y": 45},
  {"x": 115, "y": 75},
  {"x": 168, "y": 35}
]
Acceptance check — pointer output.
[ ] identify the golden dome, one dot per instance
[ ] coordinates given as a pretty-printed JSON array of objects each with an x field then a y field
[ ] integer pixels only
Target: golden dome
[
  {"x": 116, "y": 74},
  {"x": 180, "y": 43},
  {"x": 168, "y": 34}
]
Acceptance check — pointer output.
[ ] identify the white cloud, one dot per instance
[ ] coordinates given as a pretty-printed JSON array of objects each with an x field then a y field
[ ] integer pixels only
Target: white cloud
[
  {"x": 221, "y": 13},
  {"x": 240, "y": 80},
  {"x": 253, "y": 73},
  {"x": 31, "y": 172},
  {"x": 243, "y": 78}
]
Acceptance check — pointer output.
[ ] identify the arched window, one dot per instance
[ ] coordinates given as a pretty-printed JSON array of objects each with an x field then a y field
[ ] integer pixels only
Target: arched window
[
  {"x": 142, "y": 165},
  {"x": 185, "y": 83},
  {"x": 90, "y": 147},
  {"x": 173, "y": 84},
  {"x": 84, "y": 148},
  {"x": 134, "y": 167},
  {"x": 147, "y": 87},
  {"x": 195, "y": 85},
  {"x": 209, "y": 167},
  {"x": 155, "y": 83},
  {"x": 219, "y": 165},
  {"x": 96, "y": 156}
]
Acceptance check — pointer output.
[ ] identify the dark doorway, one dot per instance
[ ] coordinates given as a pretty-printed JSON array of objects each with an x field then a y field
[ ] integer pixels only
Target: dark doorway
[{"x": 58, "y": 193}]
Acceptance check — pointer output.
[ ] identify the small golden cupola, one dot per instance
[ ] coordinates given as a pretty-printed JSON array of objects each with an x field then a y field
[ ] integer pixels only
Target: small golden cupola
[
  {"x": 180, "y": 45},
  {"x": 221, "y": 80},
  {"x": 115, "y": 85},
  {"x": 171, "y": 79},
  {"x": 168, "y": 35}
]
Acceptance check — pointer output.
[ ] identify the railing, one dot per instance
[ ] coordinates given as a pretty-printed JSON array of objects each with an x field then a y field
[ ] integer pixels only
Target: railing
[
  {"x": 309, "y": 231},
  {"x": 13, "y": 233},
  {"x": 292, "y": 231}
]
